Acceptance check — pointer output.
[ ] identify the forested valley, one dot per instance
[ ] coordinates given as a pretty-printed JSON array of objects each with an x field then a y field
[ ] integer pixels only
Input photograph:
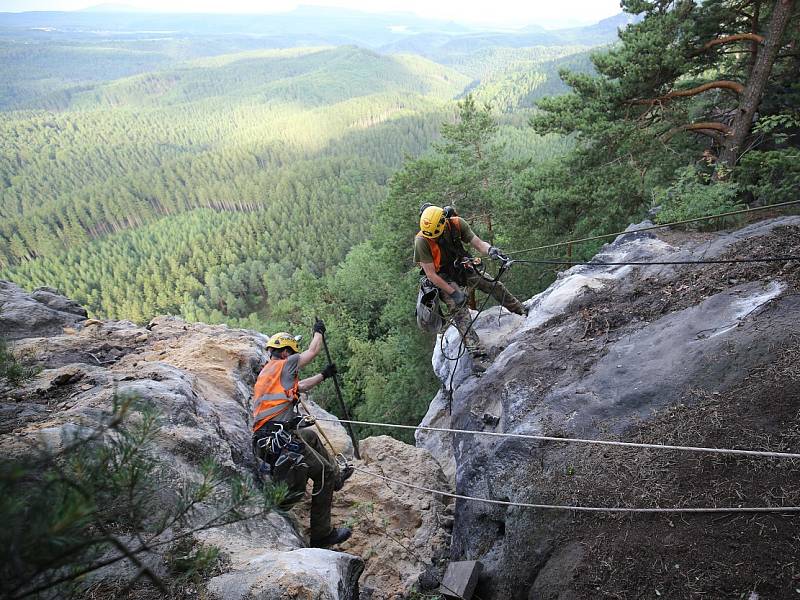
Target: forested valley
[{"x": 262, "y": 186}]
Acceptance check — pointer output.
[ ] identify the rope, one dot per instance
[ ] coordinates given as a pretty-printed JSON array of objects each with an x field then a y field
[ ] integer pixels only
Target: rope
[
  {"x": 650, "y": 228},
  {"x": 462, "y": 346},
  {"x": 322, "y": 433},
  {"x": 322, "y": 482},
  {"x": 548, "y": 261},
  {"x": 547, "y": 438},
  {"x": 716, "y": 509}
]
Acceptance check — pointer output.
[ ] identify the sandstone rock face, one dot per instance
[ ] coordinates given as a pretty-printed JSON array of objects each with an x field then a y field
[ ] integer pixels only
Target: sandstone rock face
[
  {"x": 200, "y": 379},
  {"x": 685, "y": 355},
  {"x": 400, "y": 531},
  {"x": 40, "y": 314},
  {"x": 494, "y": 326}
]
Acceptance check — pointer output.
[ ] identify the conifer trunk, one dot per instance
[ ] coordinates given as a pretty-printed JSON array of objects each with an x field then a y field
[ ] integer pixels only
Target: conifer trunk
[
  {"x": 751, "y": 97},
  {"x": 754, "y": 28}
]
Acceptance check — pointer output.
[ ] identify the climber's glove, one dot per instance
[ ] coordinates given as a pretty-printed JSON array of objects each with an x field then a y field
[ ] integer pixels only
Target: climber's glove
[
  {"x": 459, "y": 298},
  {"x": 329, "y": 371},
  {"x": 318, "y": 327},
  {"x": 495, "y": 253}
]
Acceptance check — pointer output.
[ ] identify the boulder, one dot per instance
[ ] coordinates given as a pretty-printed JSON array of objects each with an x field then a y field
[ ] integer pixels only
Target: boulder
[
  {"x": 43, "y": 313},
  {"x": 301, "y": 573}
]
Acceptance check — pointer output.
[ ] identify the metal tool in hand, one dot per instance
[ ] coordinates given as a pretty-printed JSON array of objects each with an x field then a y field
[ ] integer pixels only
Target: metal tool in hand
[{"x": 341, "y": 400}]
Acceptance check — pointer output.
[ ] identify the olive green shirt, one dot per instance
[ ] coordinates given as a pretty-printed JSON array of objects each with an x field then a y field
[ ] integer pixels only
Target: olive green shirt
[{"x": 422, "y": 251}]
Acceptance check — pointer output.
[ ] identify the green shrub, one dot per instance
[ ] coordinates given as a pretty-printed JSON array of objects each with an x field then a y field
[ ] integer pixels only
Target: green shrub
[
  {"x": 771, "y": 176},
  {"x": 188, "y": 559},
  {"x": 101, "y": 500},
  {"x": 11, "y": 369},
  {"x": 695, "y": 194}
]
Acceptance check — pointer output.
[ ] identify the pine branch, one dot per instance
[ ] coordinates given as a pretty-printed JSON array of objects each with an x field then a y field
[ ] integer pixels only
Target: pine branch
[
  {"x": 714, "y": 130},
  {"x": 729, "y": 39},
  {"x": 734, "y": 86}
]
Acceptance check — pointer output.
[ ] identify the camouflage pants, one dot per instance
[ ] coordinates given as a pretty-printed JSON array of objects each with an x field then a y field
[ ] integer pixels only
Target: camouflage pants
[{"x": 462, "y": 318}]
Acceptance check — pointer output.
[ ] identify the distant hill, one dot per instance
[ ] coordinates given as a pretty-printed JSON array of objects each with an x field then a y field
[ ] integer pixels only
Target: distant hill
[
  {"x": 391, "y": 32},
  {"x": 447, "y": 47},
  {"x": 304, "y": 77},
  {"x": 604, "y": 31},
  {"x": 510, "y": 79},
  {"x": 52, "y": 53}
]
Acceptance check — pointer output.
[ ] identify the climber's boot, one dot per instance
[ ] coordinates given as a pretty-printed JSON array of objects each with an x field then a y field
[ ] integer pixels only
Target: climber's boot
[
  {"x": 516, "y": 307},
  {"x": 344, "y": 475},
  {"x": 336, "y": 536},
  {"x": 480, "y": 358}
]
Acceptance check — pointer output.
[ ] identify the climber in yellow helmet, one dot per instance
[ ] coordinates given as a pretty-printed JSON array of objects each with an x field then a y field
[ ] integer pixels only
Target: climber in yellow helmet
[
  {"x": 295, "y": 454},
  {"x": 439, "y": 250}
]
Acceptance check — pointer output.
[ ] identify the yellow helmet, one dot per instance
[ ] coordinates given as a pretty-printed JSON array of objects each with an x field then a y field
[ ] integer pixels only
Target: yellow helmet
[
  {"x": 283, "y": 340},
  {"x": 431, "y": 222}
]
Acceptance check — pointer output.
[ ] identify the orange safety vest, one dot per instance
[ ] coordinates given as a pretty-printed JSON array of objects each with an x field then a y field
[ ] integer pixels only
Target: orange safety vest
[
  {"x": 433, "y": 244},
  {"x": 270, "y": 398}
]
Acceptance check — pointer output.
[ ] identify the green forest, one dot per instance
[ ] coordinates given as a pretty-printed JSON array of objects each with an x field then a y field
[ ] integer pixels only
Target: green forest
[{"x": 263, "y": 187}]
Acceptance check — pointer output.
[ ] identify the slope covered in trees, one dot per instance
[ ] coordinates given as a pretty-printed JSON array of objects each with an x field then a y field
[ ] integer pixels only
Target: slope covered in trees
[
  {"x": 229, "y": 133},
  {"x": 513, "y": 79},
  {"x": 281, "y": 263},
  {"x": 262, "y": 189}
]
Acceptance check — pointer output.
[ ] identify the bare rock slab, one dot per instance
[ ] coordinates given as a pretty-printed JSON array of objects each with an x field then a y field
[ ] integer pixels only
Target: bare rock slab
[
  {"x": 43, "y": 313},
  {"x": 303, "y": 573}
]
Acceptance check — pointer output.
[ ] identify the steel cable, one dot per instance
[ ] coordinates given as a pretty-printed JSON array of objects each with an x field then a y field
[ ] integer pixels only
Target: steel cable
[
  {"x": 547, "y": 438},
  {"x": 650, "y": 228},
  {"x": 549, "y": 261},
  {"x": 615, "y": 509}
]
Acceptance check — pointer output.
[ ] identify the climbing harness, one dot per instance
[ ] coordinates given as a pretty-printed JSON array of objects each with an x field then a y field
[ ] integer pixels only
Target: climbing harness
[
  {"x": 466, "y": 264},
  {"x": 428, "y": 309},
  {"x": 282, "y": 454},
  {"x": 280, "y": 450}
]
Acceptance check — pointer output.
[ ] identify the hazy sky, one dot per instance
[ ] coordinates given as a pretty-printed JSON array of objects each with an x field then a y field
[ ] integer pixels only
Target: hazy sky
[{"x": 497, "y": 12}]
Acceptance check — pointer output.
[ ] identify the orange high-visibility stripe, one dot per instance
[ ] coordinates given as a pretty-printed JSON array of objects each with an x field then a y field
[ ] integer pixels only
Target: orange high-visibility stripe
[{"x": 270, "y": 398}]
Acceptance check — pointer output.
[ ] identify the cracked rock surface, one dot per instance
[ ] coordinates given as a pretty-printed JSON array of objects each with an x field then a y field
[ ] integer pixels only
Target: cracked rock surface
[
  {"x": 200, "y": 379},
  {"x": 703, "y": 355}
]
